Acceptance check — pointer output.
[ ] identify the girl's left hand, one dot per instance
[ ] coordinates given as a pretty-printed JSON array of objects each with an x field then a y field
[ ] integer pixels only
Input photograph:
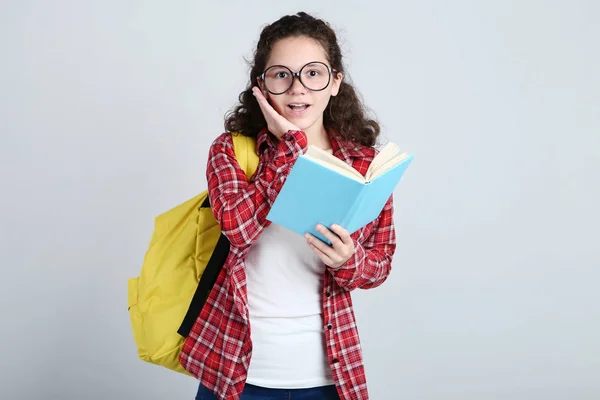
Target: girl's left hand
[{"x": 341, "y": 249}]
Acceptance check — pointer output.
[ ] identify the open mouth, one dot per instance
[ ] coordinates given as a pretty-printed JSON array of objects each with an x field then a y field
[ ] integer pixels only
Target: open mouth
[{"x": 298, "y": 106}]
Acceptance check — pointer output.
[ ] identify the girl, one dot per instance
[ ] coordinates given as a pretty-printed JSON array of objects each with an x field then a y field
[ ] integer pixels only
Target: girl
[{"x": 279, "y": 322}]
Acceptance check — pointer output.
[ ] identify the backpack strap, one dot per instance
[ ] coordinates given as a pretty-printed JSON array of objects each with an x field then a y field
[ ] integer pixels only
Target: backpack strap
[{"x": 245, "y": 153}]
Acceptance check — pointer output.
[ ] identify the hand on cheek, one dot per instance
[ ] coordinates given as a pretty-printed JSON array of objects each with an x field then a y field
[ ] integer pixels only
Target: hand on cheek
[{"x": 276, "y": 123}]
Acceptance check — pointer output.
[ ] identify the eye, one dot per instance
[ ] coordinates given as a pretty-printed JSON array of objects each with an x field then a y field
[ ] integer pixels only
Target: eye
[
  {"x": 313, "y": 72},
  {"x": 277, "y": 73}
]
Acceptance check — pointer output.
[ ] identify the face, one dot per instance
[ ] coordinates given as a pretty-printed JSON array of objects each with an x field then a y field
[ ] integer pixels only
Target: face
[{"x": 301, "y": 106}]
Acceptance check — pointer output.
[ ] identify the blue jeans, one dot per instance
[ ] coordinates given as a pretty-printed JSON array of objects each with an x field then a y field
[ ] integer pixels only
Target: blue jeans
[{"x": 252, "y": 392}]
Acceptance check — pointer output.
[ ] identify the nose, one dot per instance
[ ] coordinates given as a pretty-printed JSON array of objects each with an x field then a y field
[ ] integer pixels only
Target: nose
[{"x": 297, "y": 86}]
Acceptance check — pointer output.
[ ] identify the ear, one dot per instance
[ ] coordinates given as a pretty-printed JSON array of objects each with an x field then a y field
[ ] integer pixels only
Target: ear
[{"x": 336, "y": 83}]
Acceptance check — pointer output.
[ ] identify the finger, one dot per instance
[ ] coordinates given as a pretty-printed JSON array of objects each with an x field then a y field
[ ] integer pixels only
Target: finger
[
  {"x": 322, "y": 246},
  {"x": 324, "y": 257},
  {"x": 262, "y": 101},
  {"x": 257, "y": 93},
  {"x": 272, "y": 117},
  {"x": 342, "y": 233},
  {"x": 268, "y": 109},
  {"x": 335, "y": 240}
]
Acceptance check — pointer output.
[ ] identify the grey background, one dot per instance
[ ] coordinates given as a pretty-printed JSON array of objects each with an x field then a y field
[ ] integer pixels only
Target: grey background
[{"x": 107, "y": 109}]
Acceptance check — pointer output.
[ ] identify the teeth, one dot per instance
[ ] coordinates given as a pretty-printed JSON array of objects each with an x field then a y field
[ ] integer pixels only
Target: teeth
[{"x": 298, "y": 105}]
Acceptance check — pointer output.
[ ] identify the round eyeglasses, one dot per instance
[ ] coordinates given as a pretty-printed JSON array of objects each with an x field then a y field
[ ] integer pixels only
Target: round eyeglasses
[{"x": 314, "y": 76}]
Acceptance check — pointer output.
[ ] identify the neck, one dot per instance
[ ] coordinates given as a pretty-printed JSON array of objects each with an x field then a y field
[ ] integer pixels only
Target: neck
[{"x": 317, "y": 136}]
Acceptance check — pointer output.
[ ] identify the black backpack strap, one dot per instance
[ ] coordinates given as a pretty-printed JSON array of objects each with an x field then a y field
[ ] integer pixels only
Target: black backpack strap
[{"x": 207, "y": 281}]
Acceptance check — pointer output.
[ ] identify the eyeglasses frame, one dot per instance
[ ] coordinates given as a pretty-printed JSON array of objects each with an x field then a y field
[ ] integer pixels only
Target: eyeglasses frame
[{"x": 297, "y": 74}]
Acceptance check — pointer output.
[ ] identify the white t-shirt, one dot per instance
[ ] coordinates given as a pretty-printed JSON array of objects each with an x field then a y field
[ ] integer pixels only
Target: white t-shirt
[{"x": 285, "y": 285}]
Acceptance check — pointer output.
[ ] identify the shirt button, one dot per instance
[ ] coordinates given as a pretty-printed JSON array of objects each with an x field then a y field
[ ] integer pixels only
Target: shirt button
[
  {"x": 329, "y": 327},
  {"x": 328, "y": 294},
  {"x": 335, "y": 361}
]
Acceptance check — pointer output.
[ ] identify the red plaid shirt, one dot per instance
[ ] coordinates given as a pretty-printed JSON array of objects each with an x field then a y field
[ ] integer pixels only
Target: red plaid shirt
[{"x": 218, "y": 348}]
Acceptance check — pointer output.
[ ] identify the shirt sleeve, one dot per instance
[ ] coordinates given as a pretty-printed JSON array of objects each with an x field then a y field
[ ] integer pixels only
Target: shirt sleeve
[
  {"x": 371, "y": 263},
  {"x": 239, "y": 205}
]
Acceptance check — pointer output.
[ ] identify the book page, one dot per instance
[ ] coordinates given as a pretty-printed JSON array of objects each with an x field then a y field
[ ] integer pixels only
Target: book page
[
  {"x": 383, "y": 168},
  {"x": 387, "y": 152},
  {"x": 330, "y": 161},
  {"x": 386, "y": 158}
]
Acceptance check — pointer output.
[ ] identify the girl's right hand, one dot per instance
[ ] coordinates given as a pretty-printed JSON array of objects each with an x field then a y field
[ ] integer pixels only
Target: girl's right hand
[{"x": 276, "y": 123}]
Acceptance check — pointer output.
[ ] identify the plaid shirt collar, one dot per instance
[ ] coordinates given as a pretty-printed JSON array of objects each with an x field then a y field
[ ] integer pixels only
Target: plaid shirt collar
[{"x": 343, "y": 149}]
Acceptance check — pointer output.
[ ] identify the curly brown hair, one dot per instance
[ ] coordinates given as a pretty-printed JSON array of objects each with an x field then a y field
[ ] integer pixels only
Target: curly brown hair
[{"x": 345, "y": 113}]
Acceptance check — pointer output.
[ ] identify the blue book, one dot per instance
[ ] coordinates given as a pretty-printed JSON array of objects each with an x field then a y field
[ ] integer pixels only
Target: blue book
[{"x": 323, "y": 189}]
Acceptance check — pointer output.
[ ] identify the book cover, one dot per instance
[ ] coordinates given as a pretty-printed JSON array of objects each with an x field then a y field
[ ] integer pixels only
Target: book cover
[{"x": 315, "y": 193}]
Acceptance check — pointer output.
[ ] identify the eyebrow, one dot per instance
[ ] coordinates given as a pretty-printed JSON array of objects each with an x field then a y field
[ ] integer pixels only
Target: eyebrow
[{"x": 297, "y": 69}]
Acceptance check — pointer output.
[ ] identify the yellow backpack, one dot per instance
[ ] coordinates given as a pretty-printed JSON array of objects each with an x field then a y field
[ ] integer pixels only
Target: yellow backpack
[{"x": 186, "y": 253}]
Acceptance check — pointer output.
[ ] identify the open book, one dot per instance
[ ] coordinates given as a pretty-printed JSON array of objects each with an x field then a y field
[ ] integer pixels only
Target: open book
[{"x": 323, "y": 189}]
